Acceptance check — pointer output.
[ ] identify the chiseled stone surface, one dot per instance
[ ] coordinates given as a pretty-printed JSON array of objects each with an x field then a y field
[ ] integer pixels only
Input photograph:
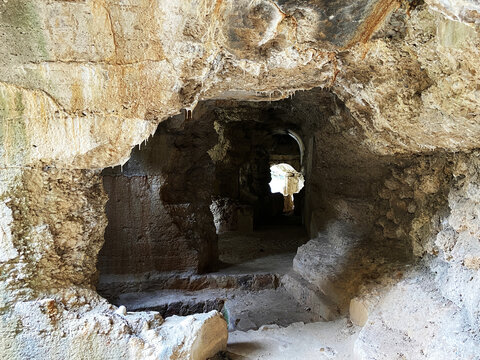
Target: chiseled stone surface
[{"x": 158, "y": 208}]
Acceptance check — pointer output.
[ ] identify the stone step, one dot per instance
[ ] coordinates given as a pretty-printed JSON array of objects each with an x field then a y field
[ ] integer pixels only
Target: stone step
[
  {"x": 112, "y": 286},
  {"x": 174, "y": 302},
  {"x": 242, "y": 309},
  {"x": 309, "y": 296}
]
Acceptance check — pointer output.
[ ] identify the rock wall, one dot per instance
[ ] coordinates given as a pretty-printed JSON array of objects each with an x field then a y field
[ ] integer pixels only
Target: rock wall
[
  {"x": 410, "y": 243},
  {"x": 158, "y": 208},
  {"x": 104, "y": 72},
  {"x": 51, "y": 232},
  {"x": 416, "y": 201},
  {"x": 51, "y": 235},
  {"x": 82, "y": 82},
  {"x": 457, "y": 241}
]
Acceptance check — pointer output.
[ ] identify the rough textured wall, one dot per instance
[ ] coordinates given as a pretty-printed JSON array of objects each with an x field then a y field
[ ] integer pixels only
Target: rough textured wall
[
  {"x": 109, "y": 73},
  {"x": 52, "y": 232},
  {"x": 415, "y": 85},
  {"x": 467, "y": 11},
  {"x": 100, "y": 68},
  {"x": 457, "y": 241},
  {"x": 434, "y": 205},
  {"x": 158, "y": 208},
  {"x": 415, "y": 201},
  {"x": 52, "y": 224},
  {"x": 81, "y": 83}
]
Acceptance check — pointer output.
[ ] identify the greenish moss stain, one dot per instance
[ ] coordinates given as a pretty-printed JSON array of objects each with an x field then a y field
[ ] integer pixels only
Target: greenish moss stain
[
  {"x": 19, "y": 107},
  {"x": 13, "y": 133},
  {"x": 25, "y": 30},
  {"x": 3, "y": 124}
]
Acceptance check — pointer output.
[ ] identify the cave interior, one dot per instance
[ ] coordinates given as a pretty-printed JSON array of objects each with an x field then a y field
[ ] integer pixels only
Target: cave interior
[
  {"x": 240, "y": 179},
  {"x": 193, "y": 224}
]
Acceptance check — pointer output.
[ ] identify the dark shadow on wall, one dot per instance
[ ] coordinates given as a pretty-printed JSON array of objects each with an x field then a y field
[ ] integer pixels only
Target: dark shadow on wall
[
  {"x": 158, "y": 208},
  {"x": 257, "y": 138}
]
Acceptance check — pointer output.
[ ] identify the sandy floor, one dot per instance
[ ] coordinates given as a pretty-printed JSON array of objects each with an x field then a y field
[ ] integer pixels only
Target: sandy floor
[{"x": 315, "y": 341}]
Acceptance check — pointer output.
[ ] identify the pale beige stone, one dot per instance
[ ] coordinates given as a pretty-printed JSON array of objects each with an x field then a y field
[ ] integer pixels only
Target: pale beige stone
[
  {"x": 358, "y": 311},
  {"x": 82, "y": 82}
]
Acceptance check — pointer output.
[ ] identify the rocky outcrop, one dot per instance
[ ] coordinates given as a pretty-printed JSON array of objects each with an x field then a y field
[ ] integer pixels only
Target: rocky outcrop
[{"x": 75, "y": 323}]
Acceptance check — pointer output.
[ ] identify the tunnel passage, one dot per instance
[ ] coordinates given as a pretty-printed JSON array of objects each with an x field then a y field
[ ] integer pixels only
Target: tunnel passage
[
  {"x": 195, "y": 226},
  {"x": 244, "y": 174},
  {"x": 76, "y": 95}
]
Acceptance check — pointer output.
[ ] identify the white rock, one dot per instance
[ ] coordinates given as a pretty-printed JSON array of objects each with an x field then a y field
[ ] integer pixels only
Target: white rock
[{"x": 122, "y": 310}]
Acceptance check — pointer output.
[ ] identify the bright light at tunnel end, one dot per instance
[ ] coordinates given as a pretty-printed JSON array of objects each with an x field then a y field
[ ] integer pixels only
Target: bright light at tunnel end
[{"x": 285, "y": 179}]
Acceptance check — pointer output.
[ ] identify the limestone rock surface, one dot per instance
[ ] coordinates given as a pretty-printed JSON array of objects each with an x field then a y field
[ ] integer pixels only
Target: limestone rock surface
[
  {"x": 413, "y": 321},
  {"x": 77, "y": 324},
  {"x": 104, "y": 74},
  {"x": 82, "y": 82}
]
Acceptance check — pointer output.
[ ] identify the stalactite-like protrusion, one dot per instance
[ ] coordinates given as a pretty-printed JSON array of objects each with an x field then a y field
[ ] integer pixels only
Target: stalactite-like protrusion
[{"x": 188, "y": 114}]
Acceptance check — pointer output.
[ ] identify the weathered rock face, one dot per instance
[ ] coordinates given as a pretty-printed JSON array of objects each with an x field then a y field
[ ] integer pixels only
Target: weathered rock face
[
  {"x": 467, "y": 11},
  {"x": 457, "y": 241},
  {"x": 82, "y": 82},
  {"x": 230, "y": 215},
  {"x": 427, "y": 58},
  {"x": 159, "y": 203},
  {"x": 89, "y": 65},
  {"x": 52, "y": 231},
  {"x": 104, "y": 65},
  {"x": 109, "y": 62}
]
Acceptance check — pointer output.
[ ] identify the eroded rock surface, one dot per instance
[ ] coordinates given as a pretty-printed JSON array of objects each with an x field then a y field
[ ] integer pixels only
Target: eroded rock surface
[
  {"x": 82, "y": 82},
  {"x": 107, "y": 63},
  {"x": 77, "y": 322}
]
